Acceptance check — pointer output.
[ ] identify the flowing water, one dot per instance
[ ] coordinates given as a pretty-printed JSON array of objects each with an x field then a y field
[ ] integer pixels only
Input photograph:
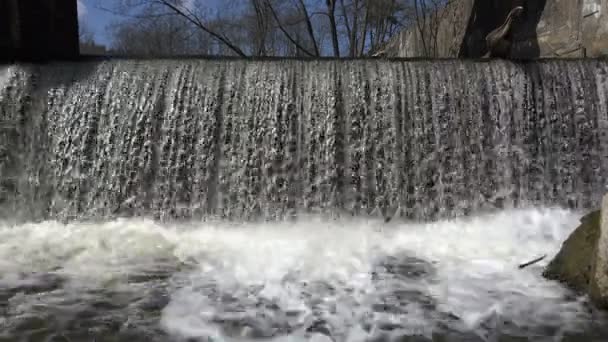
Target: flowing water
[
  {"x": 274, "y": 139},
  {"x": 208, "y": 200},
  {"x": 357, "y": 280}
]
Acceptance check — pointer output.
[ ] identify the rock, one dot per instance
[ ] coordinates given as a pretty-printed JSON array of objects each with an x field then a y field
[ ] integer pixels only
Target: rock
[
  {"x": 582, "y": 262},
  {"x": 599, "y": 283},
  {"x": 548, "y": 29},
  {"x": 574, "y": 263}
]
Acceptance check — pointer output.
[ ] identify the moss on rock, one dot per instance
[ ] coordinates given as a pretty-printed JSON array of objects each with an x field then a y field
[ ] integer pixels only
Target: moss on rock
[{"x": 574, "y": 265}]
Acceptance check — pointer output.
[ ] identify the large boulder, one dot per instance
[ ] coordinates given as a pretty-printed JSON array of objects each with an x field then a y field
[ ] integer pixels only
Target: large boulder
[{"x": 582, "y": 262}]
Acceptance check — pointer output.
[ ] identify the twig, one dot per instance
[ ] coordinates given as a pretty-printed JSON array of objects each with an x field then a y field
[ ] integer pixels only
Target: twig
[
  {"x": 530, "y": 263},
  {"x": 287, "y": 35}
]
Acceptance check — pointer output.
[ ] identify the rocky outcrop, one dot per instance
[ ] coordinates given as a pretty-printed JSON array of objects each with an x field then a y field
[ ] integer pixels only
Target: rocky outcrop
[
  {"x": 546, "y": 29},
  {"x": 582, "y": 263},
  {"x": 599, "y": 283},
  {"x": 499, "y": 41},
  {"x": 574, "y": 263}
]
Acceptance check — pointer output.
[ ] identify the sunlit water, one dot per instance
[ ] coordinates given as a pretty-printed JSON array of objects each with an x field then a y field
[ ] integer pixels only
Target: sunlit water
[
  {"x": 4, "y": 76},
  {"x": 6, "y": 73},
  {"x": 190, "y": 139},
  {"x": 316, "y": 279}
]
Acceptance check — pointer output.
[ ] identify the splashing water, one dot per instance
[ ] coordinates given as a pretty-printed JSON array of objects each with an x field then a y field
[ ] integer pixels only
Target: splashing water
[
  {"x": 5, "y": 74},
  {"x": 357, "y": 280}
]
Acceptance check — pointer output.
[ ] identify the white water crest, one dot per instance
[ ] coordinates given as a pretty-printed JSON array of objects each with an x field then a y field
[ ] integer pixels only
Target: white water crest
[
  {"x": 352, "y": 280},
  {"x": 5, "y": 75}
]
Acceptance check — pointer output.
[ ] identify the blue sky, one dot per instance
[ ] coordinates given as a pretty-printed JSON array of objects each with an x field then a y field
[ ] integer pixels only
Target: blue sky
[
  {"x": 91, "y": 14},
  {"x": 96, "y": 19}
]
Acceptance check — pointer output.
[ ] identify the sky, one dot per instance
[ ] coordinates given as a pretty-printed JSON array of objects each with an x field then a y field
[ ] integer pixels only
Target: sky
[
  {"x": 91, "y": 14},
  {"x": 96, "y": 19}
]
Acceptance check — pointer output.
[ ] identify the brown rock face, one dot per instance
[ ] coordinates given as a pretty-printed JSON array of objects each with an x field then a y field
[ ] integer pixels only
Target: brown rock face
[
  {"x": 546, "y": 28},
  {"x": 599, "y": 281},
  {"x": 574, "y": 263},
  {"x": 582, "y": 263}
]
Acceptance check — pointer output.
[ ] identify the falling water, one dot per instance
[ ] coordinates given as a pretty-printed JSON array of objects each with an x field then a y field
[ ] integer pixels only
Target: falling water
[
  {"x": 273, "y": 139},
  {"x": 130, "y": 191}
]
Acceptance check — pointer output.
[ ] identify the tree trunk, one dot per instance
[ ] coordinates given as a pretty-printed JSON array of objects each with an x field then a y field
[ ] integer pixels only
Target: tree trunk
[
  {"x": 365, "y": 28},
  {"x": 311, "y": 31},
  {"x": 331, "y": 12}
]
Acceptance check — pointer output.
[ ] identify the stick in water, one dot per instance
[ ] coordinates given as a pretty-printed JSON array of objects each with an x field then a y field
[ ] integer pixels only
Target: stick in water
[{"x": 530, "y": 263}]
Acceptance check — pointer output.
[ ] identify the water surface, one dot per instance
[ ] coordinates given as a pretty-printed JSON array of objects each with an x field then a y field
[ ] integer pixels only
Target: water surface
[{"x": 314, "y": 279}]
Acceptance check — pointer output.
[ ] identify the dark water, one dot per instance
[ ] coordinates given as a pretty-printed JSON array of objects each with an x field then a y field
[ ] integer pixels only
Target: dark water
[{"x": 274, "y": 139}]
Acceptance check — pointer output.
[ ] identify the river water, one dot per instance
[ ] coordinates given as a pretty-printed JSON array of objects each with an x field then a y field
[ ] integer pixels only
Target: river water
[{"x": 314, "y": 279}]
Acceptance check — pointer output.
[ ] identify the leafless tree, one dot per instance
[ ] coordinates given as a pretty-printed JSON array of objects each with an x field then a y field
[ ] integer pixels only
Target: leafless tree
[
  {"x": 262, "y": 28},
  {"x": 428, "y": 16},
  {"x": 308, "y": 28},
  {"x": 158, "y": 36},
  {"x": 369, "y": 24},
  {"x": 184, "y": 9}
]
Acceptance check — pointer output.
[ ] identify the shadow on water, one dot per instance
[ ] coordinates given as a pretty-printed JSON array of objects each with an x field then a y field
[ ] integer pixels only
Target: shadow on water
[{"x": 487, "y": 15}]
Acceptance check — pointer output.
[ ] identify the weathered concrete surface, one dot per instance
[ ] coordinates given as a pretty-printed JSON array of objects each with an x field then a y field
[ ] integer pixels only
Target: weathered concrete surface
[
  {"x": 582, "y": 262},
  {"x": 570, "y": 28},
  {"x": 450, "y": 34},
  {"x": 595, "y": 27},
  {"x": 548, "y": 28},
  {"x": 38, "y": 30}
]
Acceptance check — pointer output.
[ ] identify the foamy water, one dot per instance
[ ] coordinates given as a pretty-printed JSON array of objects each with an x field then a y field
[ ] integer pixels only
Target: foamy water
[
  {"x": 345, "y": 280},
  {"x": 5, "y": 73}
]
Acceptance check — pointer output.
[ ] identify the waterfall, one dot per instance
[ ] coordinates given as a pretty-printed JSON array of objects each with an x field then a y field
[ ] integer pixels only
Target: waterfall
[{"x": 243, "y": 140}]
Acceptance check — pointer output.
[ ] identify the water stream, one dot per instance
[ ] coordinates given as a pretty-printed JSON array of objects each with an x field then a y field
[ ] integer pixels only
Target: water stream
[{"x": 274, "y": 139}]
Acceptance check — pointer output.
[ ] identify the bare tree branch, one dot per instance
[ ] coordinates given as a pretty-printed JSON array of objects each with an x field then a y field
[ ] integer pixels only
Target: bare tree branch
[
  {"x": 264, "y": 27},
  {"x": 289, "y": 37},
  {"x": 331, "y": 11},
  {"x": 183, "y": 12},
  {"x": 197, "y": 22}
]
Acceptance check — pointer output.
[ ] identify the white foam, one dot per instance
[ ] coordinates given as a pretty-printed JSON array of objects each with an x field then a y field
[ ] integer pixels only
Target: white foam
[
  {"x": 5, "y": 75},
  {"x": 476, "y": 263}
]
